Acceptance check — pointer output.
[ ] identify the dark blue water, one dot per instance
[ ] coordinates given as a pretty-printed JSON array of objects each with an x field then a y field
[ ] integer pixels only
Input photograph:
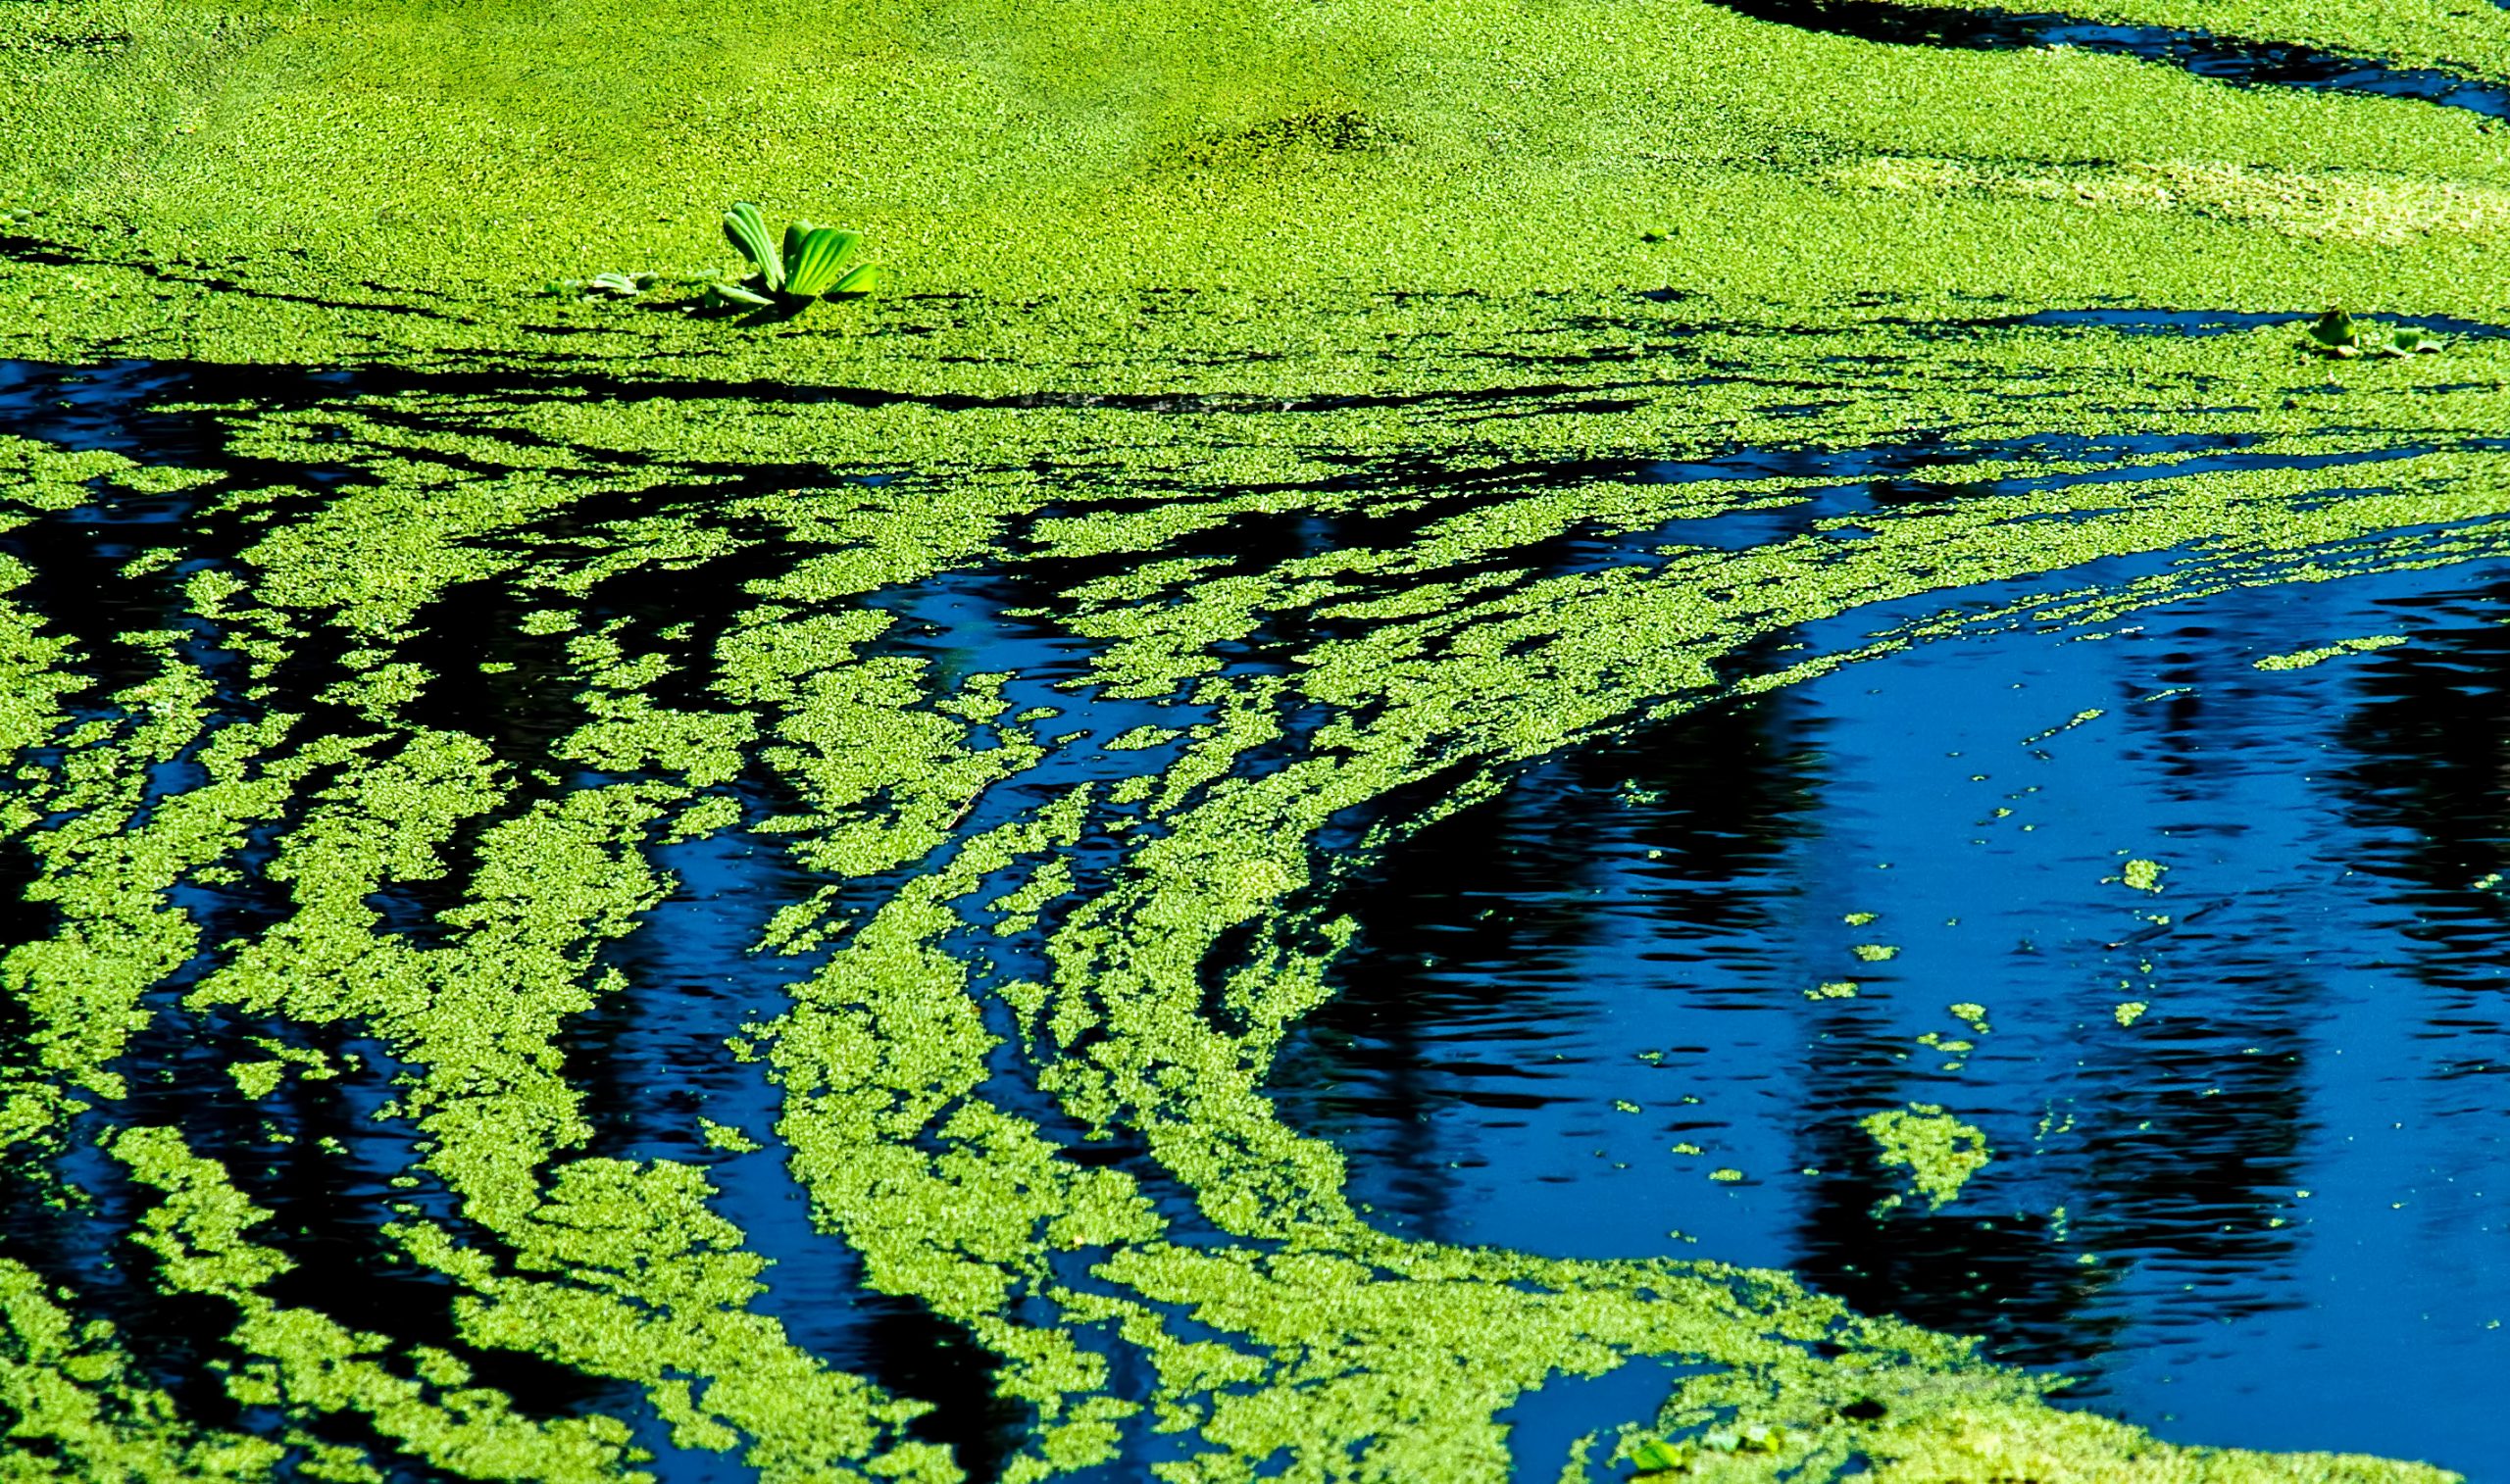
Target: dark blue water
[
  {"x": 2272, "y": 1212},
  {"x": 2236, "y": 60},
  {"x": 2222, "y": 321}
]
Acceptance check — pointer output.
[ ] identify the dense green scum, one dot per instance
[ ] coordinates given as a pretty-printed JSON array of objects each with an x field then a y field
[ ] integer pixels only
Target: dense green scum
[
  {"x": 369, "y": 824},
  {"x": 1181, "y": 194},
  {"x": 1289, "y": 423}
]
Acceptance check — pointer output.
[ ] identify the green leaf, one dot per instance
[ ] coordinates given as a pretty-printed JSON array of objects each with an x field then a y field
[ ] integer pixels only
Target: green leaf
[
  {"x": 816, "y": 259},
  {"x": 1656, "y": 1456},
  {"x": 725, "y": 295},
  {"x": 858, "y": 282},
  {"x": 795, "y": 235},
  {"x": 2413, "y": 341},
  {"x": 614, "y": 283},
  {"x": 748, "y": 231},
  {"x": 2334, "y": 330}
]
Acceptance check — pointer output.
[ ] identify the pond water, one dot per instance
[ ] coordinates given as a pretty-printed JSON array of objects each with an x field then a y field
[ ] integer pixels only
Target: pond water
[
  {"x": 2271, "y": 1210},
  {"x": 528, "y": 959},
  {"x": 2223, "y": 59}
]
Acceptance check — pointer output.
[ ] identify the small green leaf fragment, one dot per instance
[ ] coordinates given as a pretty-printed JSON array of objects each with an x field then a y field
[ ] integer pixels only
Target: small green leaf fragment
[
  {"x": 730, "y": 295},
  {"x": 1656, "y": 1456},
  {"x": 2334, "y": 330}
]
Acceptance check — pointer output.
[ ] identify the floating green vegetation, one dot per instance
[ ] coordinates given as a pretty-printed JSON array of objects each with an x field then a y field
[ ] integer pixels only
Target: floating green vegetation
[
  {"x": 615, "y": 286},
  {"x": 811, "y": 264},
  {"x": 2142, "y": 874},
  {"x": 2303, "y": 658},
  {"x": 431, "y": 678},
  {"x": 1658, "y": 1460},
  {"x": 2336, "y": 333},
  {"x": 986, "y": 969},
  {"x": 1899, "y": 1417},
  {"x": 992, "y": 973},
  {"x": 1940, "y": 1152}
]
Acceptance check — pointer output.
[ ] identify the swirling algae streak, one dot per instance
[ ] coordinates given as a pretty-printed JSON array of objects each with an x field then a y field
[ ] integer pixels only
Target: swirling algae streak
[
  {"x": 1318, "y": 526},
  {"x": 930, "y": 1102}
]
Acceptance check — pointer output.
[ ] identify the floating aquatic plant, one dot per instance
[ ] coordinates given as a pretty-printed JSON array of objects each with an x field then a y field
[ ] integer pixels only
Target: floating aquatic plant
[
  {"x": 807, "y": 268},
  {"x": 615, "y": 286},
  {"x": 2336, "y": 335},
  {"x": 733, "y": 296},
  {"x": 1659, "y": 1458}
]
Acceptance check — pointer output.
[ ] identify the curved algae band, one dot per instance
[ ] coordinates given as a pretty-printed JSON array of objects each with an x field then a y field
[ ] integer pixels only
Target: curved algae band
[
  {"x": 1254, "y": 373},
  {"x": 994, "y": 990}
]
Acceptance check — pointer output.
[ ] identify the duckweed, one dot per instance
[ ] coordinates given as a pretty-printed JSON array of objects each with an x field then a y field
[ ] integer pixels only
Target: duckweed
[
  {"x": 1061, "y": 628},
  {"x": 2303, "y": 658},
  {"x": 1940, "y": 1152}
]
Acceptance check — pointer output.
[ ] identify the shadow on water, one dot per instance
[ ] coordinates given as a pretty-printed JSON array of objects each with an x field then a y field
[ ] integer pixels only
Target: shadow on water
[
  {"x": 77, "y": 557},
  {"x": 2222, "y": 59},
  {"x": 2243, "y": 1128},
  {"x": 1500, "y": 909}
]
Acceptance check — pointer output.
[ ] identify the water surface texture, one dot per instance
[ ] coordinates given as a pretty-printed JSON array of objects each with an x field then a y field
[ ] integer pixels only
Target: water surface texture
[
  {"x": 1570, "y": 1006},
  {"x": 1621, "y": 738},
  {"x": 535, "y": 960}
]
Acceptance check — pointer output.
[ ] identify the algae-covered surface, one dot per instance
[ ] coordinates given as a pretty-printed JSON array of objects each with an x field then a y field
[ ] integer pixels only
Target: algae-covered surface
[{"x": 602, "y": 891}]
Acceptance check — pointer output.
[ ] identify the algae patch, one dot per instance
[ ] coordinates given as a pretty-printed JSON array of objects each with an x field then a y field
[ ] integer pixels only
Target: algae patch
[
  {"x": 2140, "y": 874},
  {"x": 1040, "y": 780},
  {"x": 2303, "y": 658},
  {"x": 1267, "y": 454},
  {"x": 1938, "y": 1152}
]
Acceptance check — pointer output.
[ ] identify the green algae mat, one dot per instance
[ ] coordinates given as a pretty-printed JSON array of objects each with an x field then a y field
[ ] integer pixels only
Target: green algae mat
[{"x": 910, "y": 754}]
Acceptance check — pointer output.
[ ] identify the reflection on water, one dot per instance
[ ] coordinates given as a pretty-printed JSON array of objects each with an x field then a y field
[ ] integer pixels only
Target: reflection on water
[
  {"x": 1518, "y": 1055},
  {"x": 1572, "y": 1007}
]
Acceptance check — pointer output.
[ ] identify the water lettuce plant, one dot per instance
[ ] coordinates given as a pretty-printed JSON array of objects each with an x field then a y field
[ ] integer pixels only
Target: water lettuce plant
[
  {"x": 1658, "y": 1459},
  {"x": 2336, "y": 335},
  {"x": 807, "y": 268}
]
